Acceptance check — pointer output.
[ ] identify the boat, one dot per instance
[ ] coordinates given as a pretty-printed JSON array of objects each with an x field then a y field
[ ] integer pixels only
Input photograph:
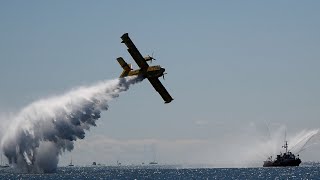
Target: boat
[
  {"x": 71, "y": 165},
  {"x": 153, "y": 162},
  {"x": 118, "y": 163},
  {"x": 3, "y": 165},
  {"x": 283, "y": 159}
]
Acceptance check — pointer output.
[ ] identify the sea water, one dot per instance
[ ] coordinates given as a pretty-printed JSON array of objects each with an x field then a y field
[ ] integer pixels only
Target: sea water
[{"x": 131, "y": 172}]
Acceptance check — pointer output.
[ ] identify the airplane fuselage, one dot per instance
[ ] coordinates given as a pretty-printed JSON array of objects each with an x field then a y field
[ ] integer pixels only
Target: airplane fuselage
[{"x": 152, "y": 71}]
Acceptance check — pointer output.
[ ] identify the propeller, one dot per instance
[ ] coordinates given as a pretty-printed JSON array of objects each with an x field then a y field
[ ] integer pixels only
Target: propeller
[
  {"x": 151, "y": 58},
  {"x": 163, "y": 76}
]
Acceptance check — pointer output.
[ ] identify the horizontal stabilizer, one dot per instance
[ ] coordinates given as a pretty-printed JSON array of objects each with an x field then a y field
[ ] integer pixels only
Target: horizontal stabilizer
[{"x": 126, "y": 67}]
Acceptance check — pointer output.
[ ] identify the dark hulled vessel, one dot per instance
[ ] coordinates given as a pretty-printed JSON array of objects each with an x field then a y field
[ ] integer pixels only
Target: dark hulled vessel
[{"x": 285, "y": 159}]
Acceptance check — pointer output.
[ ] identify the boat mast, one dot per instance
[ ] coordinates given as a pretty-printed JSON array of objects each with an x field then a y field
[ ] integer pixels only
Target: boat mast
[
  {"x": 285, "y": 146},
  {"x": 285, "y": 141}
]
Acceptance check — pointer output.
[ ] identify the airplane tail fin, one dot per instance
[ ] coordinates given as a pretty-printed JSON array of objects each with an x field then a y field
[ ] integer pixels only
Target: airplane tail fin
[{"x": 126, "y": 67}]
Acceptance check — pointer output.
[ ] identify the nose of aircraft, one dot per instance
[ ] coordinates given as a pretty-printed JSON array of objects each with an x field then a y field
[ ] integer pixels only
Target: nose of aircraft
[{"x": 163, "y": 70}]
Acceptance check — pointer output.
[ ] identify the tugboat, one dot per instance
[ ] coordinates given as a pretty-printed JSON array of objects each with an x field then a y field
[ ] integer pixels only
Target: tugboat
[{"x": 285, "y": 159}]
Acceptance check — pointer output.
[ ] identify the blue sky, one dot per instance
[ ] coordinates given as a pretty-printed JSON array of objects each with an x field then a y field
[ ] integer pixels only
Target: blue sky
[{"x": 232, "y": 66}]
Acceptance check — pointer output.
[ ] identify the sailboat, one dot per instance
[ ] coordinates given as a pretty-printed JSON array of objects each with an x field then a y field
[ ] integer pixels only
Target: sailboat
[
  {"x": 71, "y": 165},
  {"x": 154, "y": 162},
  {"x": 3, "y": 165}
]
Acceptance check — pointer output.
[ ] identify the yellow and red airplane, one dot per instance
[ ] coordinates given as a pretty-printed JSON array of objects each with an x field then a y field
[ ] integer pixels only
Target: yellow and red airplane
[{"x": 152, "y": 73}]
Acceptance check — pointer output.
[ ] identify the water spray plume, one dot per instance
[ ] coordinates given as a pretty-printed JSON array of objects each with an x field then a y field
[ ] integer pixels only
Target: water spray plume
[
  {"x": 40, "y": 132},
  {"x": 260, "y": 148},
  {"x": 305, "y": 139},
  {"x": 297, "y": 143}
]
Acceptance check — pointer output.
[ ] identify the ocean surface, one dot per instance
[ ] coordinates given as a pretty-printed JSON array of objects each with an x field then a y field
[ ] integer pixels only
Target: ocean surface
[{"x": 132, "y": 172}]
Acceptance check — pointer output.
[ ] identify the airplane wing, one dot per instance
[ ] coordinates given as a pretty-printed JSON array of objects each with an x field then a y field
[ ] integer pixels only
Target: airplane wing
[
  {"x": 134, "y": 52},
  {"x": 161, "y": 89}
]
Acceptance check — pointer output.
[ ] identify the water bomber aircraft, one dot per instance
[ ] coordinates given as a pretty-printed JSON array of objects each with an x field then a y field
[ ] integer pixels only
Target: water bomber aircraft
[{"x": 152, "y": 73}]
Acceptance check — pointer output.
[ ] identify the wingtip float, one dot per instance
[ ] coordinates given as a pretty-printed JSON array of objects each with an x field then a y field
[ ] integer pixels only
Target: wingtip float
[{"x": 152, "y": 73}]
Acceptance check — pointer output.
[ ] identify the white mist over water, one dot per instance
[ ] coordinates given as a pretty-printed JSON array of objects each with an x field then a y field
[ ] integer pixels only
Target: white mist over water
[
  {"x": 41, "y": 131},
  {"x": 253, "y": 146},
  {"x": 258, "y": 150},
  {"x": 296, "y": 143}
]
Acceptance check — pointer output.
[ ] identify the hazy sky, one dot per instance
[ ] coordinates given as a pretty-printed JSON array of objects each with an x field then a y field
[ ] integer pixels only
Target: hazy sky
[{"x": 234, "y": 68}]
